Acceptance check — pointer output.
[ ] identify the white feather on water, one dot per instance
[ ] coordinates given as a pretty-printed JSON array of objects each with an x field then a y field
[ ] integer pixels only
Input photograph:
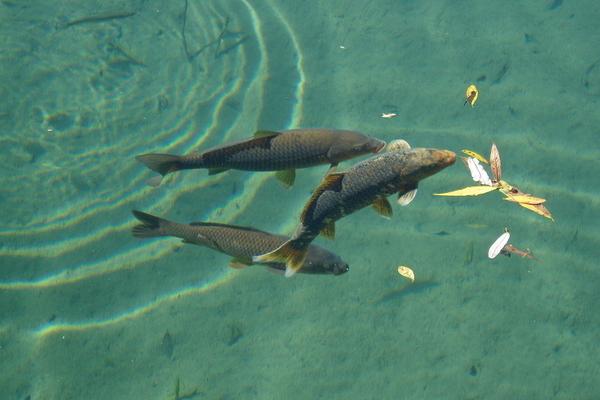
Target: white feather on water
[
  {"x": 498, "y": 245},
  {"x": 477, "y": 172}
]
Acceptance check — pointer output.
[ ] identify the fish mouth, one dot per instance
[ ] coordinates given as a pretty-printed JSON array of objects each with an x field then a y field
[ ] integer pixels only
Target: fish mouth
[{"x": 445, "y": 157}]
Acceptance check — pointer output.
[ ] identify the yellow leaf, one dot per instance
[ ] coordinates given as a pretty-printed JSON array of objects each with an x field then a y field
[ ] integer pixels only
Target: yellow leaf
[
  {"x": 469, "y": 191},
  {"x": 406, "y": 272},
  {"x": 507, "y": 188},
  {"x": 473, "y": 154},
  {"x": 472, "y": 94},
  {"x": 524, "y": 198},
  {"x": 538, "y": 209}
]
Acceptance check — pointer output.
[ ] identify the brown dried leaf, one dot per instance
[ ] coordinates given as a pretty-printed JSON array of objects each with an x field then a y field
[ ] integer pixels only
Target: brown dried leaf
[{"x": 495, "y": 163}]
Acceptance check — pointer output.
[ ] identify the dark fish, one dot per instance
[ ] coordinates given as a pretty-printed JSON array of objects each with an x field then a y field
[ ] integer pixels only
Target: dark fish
[
  {"x": 366, "y": 183},
  {"x": 271, "y": 151},
  {"x": 509, "y": 249},
  {"x": 239, "y": 242}
]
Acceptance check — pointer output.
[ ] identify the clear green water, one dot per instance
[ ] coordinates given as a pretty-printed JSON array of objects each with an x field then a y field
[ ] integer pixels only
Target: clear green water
[{"x": 84, "y": 307}]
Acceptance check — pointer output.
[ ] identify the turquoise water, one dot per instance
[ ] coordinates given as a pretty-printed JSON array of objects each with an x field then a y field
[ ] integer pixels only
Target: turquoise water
[{"x": 85, "y": 308}]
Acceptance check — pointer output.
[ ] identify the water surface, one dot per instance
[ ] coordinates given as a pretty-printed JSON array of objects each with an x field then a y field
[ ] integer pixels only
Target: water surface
[{"x": 89, "y": 312}]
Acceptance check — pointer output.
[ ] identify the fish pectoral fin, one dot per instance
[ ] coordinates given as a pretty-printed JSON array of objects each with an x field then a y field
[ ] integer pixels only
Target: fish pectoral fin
[
  {"x": 266, "y": 133},
  {"x": 383, "y": 207},
  {"x": 214, "y": 171},
  {"x": 408, "y": 196},
  {"x": 286, "y": 177},
  {"x": 240, "y": 262},
  {"x": 328, "y": 230},
  {"x": 289, "y": 253}
]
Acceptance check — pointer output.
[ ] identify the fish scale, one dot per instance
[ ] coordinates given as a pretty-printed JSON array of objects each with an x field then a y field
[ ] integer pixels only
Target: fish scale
[
  {"x": 239, "y": 242},
  {"x": 233, "y": 241},
  {"x": 342, "y": 193},
  {"x": 361, "y": 184},
  {"x": 285, "y": 152},
  {"x": 270, "y": 151}
]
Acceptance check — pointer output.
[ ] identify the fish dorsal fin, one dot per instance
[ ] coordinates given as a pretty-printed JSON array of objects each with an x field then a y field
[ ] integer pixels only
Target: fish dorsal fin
[
  {"x": 383, "y": 207},
  {"x": 266, "y": 133},
  {"x": 240, "y": 262},
  {"x": 328, "y": 230},
  {"x": 217, "y": 225},
  {"x": 331, "y": 182},
  {"x": 286, "y": 177}
]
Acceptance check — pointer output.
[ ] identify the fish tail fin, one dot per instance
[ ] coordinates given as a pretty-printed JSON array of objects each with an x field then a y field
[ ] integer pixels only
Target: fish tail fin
[
  {"x": 161, "y": 163},
  {"x": 292, "y": 253},
  {"x": 150, "y": 226}
]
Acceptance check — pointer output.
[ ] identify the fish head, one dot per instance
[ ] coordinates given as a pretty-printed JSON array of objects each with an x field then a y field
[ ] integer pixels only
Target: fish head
[
  {"x": 321, "y": 261},
  {"x": 413, "y": 165},
  {"x": 353, "y": 144}
]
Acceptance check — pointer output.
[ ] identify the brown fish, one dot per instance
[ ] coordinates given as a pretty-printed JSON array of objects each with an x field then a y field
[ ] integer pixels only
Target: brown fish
[
  {"x": 239, "y": 242},
  {"x": 271, "y": 151},
  {"x": 509, "y": 249},
  {"x": 366, "y": 183}
]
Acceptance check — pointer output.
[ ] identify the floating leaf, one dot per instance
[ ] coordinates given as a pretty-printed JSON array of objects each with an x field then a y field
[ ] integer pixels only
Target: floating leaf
[
  {"x": 538, "y": 209},
  {"x": 473, "y": 154},
  {"x": 524, "y": 198},
  {"x": 508, "y": 189},
  {"x": 469, "y": 191},
  {"x": 498, "y": 245},
  {"x": 472, "y": 94},
  {"x": 495, "y": 163},
  {"x": 406, "y": 272}
]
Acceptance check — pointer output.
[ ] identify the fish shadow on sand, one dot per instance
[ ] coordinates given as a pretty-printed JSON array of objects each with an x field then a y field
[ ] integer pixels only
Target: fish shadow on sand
[{"x": 405, "y": 290}]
